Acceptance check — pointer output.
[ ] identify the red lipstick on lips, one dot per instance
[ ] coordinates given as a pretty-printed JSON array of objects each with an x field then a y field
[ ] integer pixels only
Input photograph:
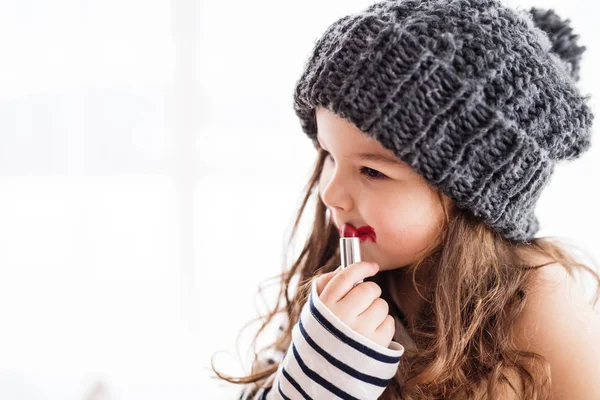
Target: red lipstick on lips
[{"x": 364, "y": 233}]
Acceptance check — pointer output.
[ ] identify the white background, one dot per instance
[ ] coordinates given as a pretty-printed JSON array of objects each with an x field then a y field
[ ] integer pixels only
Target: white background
[{"x": 150, "y": 167}]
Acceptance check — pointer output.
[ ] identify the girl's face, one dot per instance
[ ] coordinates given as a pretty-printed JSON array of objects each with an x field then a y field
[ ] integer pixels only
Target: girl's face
[{"x": 389, "y": 196}]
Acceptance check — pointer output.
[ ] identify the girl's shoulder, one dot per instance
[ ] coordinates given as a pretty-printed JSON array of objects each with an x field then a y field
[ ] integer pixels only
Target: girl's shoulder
[
  {"x": 559, "y": 322},
  {"x": 552, "y": 276},
  {"x": 555, "y": 282}
]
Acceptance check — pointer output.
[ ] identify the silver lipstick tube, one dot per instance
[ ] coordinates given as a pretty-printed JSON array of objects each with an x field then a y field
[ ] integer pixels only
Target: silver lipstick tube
[{"x": 350, "y": 252}]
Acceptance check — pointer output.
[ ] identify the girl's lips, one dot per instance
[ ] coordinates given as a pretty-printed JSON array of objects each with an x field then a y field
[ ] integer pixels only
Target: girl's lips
[{"x": 364, "y": 233}]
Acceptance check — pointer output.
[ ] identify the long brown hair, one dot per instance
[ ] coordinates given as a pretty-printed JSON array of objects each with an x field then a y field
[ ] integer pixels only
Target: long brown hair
[{"x": 464, "y": 346}]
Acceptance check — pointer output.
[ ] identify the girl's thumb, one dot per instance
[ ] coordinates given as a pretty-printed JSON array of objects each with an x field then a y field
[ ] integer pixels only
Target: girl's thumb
[{"x": 324, "y": 279}]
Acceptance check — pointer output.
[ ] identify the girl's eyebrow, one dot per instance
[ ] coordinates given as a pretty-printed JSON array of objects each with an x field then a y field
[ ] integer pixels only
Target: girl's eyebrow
[
  {"x": 379, "y": 158},
  {"x": 375, "y": 157}
]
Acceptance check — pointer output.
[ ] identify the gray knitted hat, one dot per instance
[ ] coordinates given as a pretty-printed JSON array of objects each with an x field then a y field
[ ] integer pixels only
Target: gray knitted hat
[{"x": 478, "y": 98}]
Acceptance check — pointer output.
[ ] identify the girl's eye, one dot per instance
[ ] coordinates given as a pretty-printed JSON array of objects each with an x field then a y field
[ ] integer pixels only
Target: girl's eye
[
  {"x": 369, "y": 173},
  {"x": 372, "y": 174}
]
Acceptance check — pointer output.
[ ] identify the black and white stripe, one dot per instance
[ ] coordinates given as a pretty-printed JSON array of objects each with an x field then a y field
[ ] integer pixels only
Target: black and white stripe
[{"x": 327, "y": 359}]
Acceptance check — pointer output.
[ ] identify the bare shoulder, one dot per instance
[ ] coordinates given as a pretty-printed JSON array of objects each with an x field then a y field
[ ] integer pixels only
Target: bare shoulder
[{"x": 561, "y": 325}]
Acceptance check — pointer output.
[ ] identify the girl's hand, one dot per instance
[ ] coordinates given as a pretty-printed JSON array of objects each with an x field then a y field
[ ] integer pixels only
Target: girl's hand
[{"x": 360, "y": 306}]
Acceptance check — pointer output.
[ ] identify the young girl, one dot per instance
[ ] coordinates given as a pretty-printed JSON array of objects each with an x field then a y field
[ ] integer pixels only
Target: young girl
[{"x": 437, "y": 124}]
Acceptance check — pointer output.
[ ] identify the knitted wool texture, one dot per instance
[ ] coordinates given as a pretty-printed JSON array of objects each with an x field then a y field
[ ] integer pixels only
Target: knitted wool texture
[{"x": 478, "y": 98}]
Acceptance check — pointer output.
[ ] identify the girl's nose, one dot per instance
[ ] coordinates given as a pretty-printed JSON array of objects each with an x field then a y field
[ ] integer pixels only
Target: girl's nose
[{"x": 336, "y": 194}]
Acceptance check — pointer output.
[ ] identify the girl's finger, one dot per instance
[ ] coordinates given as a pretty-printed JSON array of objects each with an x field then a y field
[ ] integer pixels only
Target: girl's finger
[
  {"x": 373, "y": 316},
  {"x": 343, "y": 282},
  {"x": 361, "y": 297},
  {"x": 384, "y": 334},
  {"x": 324, "y": 279}
]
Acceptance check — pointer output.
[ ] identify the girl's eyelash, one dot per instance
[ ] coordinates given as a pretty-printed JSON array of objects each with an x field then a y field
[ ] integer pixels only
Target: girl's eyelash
[
  {"x": 378, "y": 175},
  {"x": 366, "y": 171}
]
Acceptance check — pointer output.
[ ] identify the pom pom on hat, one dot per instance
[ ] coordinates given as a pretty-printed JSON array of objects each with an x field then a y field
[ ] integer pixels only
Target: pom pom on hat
[{"x": 562, "y": 38}]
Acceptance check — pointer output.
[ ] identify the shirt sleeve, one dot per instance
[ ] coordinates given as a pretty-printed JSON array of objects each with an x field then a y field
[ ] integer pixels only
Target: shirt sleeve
[{"x": 328, "y": 360}]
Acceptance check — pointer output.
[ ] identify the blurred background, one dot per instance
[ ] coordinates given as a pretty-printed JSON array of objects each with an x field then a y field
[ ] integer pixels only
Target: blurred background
[{"x": 150, "y": 168}]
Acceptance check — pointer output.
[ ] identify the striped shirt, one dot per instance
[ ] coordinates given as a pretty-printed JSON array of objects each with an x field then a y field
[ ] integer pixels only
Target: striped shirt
[{"x": 328, "y": 360}]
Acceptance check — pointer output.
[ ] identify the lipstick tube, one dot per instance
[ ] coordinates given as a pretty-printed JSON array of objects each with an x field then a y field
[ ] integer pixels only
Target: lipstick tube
[{"x": 350, "y": 252}]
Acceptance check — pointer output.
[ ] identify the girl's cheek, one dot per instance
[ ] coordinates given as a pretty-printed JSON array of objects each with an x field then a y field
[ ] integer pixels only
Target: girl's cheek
[
  {"x": 390, "y": 218},
  {"x": 377, "y": 218}
]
